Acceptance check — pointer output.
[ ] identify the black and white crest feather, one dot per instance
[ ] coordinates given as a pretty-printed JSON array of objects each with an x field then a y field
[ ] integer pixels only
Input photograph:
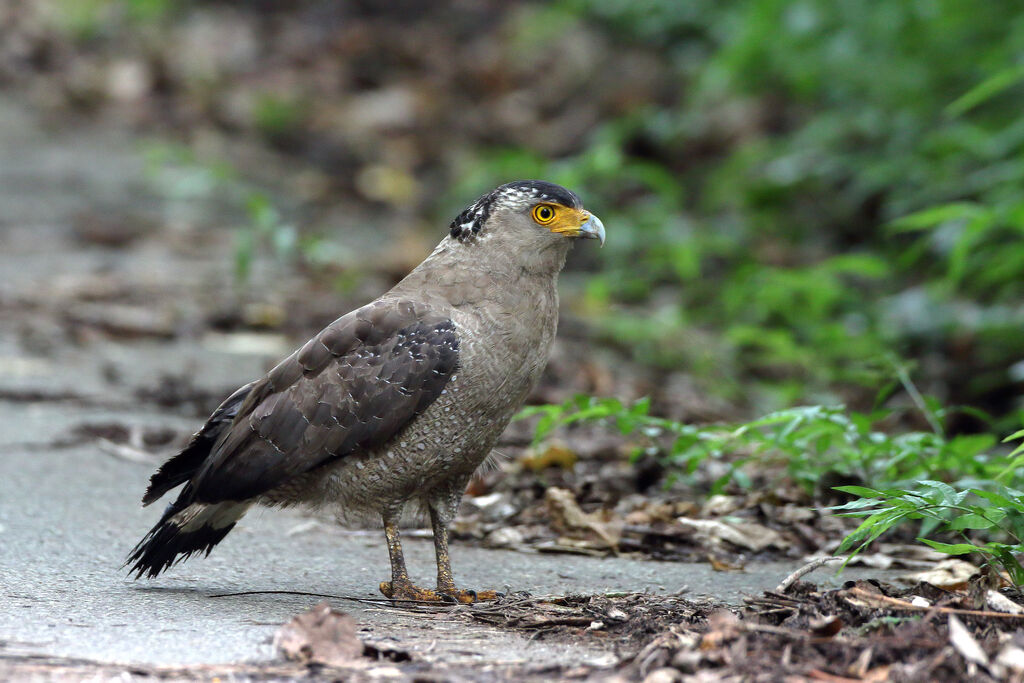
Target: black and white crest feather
[{"x": 472, "y": 220}]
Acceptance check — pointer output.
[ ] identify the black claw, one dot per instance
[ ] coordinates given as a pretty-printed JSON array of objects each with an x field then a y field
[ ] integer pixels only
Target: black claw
[
  {"x": 473, "y": 593},
  {"x": 447, "y": 597}
]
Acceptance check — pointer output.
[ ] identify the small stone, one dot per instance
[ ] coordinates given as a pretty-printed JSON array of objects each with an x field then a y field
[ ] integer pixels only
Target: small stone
[
  {"x": 504, "y": 537},
  {"x": 663, "y": 675}
]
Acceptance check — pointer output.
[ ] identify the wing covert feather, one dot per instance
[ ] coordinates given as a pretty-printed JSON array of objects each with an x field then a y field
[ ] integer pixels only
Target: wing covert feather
[{"x": 350, "y": 388}]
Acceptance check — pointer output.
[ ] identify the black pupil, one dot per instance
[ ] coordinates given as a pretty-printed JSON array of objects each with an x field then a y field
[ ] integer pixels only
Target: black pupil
[{"x": 545, "y": 213}]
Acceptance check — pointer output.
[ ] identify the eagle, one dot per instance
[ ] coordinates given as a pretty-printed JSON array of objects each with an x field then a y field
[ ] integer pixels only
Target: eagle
[{"x": 395, "y": 404}]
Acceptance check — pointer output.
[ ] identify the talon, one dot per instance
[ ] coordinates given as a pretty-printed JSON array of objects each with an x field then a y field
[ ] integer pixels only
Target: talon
[
  {"x": 469, "y": 596},
  {"x": 484, "y": 596},
  {"x": 406, "y": 590}
]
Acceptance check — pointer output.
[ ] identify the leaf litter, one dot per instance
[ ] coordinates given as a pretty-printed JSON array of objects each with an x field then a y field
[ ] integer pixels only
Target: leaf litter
[{"x": 864, "y": 631}]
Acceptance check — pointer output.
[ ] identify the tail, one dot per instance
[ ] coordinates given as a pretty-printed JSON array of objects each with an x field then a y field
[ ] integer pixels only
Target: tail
[
  {"x": 184, "y": 529},
  {"x": 188, "y": 526}
]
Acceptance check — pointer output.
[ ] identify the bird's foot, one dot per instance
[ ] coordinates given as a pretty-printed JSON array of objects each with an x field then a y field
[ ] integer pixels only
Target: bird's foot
[
  {"x": 407, "y": 590},
  {"x": 471, "y": 596}
]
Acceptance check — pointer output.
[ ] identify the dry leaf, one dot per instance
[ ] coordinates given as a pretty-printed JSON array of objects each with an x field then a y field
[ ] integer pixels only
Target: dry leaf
[
  {"x": 998, "y": 602},
  {"x": 951, "y": 574},
  {"x": 746, "y": 535},
  {"x": 964, "y": 642},
  {"x": 826, "y": 626},
  {"x": 320, "y": 636},
  {"x": 723, "y": 626},
  {"x": 556, "y": 454},
  {"x": 898, "y": 555},
  {"x": 720, "y": 565},
  {"x": 1011, "y": 657},
  {"x": 719, "y": 505},
  {"x": 568, "y": 519}
]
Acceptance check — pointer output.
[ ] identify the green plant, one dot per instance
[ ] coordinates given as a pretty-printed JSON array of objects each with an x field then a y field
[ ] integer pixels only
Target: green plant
[
  {"x": 975, "y": 515},
  {"x": 180, "y": 176},
  {"x": 825, "y": 189},
  {"x": 277, "y": 116},
  {"x": 85, "y": 20},
  {"x": 979, "y": 506},
  {"x": 265, "y": 226},
  {"x": 806, "y": 442}
]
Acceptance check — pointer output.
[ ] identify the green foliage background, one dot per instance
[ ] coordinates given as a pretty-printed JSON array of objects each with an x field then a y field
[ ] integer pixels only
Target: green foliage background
[
  {"x": 828, "y": 186},
  {"x": 801, "y": 195},
  {"x": 835, "y": 197}
]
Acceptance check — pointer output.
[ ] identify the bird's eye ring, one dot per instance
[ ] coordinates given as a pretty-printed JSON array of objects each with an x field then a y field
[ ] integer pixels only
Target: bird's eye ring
[{"x": 543, "y": 213}]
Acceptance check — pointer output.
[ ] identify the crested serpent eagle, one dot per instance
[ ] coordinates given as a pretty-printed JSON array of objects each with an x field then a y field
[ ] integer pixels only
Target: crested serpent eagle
[{"x": 397, "y": 402}]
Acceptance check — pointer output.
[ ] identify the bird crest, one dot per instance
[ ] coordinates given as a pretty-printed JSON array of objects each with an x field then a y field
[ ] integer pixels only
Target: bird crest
[{"x": 471, "y": 221}]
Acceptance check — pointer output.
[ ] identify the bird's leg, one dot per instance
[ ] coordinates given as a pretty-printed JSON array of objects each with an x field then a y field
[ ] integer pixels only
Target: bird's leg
[
  {"x": 445, "y": 580},
  {"x": 400, "y": 587}
]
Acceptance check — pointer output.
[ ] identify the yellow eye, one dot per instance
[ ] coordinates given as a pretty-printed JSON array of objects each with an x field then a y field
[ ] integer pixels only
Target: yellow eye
[{"x": 543, "y": 213}]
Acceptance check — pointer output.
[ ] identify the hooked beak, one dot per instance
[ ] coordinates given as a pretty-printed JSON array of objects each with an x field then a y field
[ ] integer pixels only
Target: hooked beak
[{"x": 593, "y": 229}]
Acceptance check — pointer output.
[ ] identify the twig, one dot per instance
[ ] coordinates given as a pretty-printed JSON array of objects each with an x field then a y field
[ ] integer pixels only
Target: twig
[
  {"x": 915, "y": 396},
  {"x": 803, "y": 571},
  {"x": 546, "y": 623},
  {"x": 385, "y": 602},
  {"x": 895, "y": 603}
]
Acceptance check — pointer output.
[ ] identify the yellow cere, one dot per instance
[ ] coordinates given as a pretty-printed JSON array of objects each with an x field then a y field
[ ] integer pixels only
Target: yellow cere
[{"x": 559, "y": 219}]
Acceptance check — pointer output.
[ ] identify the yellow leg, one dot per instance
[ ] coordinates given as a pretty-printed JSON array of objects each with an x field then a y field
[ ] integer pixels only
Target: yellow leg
[
  {"x": 400, "y": 587},
  {"x": 445, "y": 580}
]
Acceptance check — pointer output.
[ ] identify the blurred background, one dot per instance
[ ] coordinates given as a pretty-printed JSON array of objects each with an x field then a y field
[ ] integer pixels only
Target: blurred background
[{"x": 807, "y": 202}]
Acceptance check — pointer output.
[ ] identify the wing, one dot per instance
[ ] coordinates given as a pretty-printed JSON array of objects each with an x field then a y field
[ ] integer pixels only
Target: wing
[
  {"x": 185, "y": 464},
  {"x": 350, "y": 388}
]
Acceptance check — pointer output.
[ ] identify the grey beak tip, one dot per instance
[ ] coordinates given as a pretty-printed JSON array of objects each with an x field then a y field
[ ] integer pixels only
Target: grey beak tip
[{"x": 593, "y": 228}]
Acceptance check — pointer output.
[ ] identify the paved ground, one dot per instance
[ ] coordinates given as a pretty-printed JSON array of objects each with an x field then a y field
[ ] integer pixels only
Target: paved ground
[
  {"x": 69, "y": 516},
  {"x": 69, "y": 510}
]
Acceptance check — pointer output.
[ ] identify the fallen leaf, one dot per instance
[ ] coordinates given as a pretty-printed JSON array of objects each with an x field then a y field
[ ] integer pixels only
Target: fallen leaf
[
  {"x": 746, "y": 535},
  {"x": 651, "y": 512},
  {"x": 723, "y": 626},
  {"x": 897, "y": 555},
  {"x": 951, "y": 574},
  {"x": 505, "y": 537},
  {"x": 720, "y": 565},
  {"x": 1000, "y": 603},
  {"x": 964, "y": 643},
  {"x": 663, "y": 675},
  {"x": 556, "y": 454},
  {"x": 1011, "y": 657},
  {"x": 320, "y": 636},
  {"x": 582, "y": 527},
  {"x": 826, "y": 626},
  {"x": 860, "y": 667},
  {"x": 719, "y": 505}
]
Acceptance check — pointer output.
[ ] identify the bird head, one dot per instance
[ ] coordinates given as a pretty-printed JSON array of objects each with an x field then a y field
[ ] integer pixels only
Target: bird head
[{"x": 529, "y": 216}]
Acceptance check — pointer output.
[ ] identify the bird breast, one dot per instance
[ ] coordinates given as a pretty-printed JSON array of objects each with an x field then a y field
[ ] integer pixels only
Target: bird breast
[{"x": 503, "y": 348}]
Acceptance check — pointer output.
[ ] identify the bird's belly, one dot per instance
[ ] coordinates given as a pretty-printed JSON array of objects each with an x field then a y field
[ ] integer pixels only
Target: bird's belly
[{"x": 445, "y": 443}]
